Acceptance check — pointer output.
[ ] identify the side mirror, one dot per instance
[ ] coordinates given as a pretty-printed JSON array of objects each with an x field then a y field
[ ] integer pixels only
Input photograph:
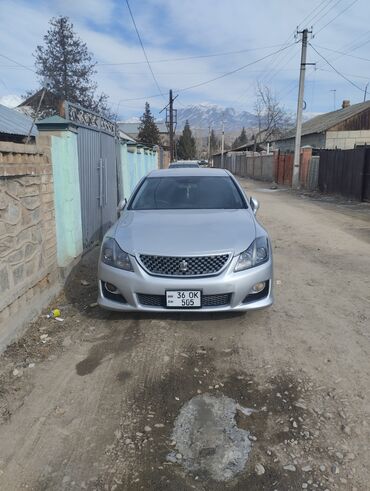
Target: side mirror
[
  {"x": 254, "y": 204},
  {"x": 121, "y": 205}
]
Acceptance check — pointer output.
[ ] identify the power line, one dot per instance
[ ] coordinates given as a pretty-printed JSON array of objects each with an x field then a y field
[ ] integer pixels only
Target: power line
[
  {"x": 323, "y": 6},
  {"x": 347, "y": 74},
  {"x": 231, "y": 72},
  {"x": 206, "y": 82},
  {"x": 337, "y": 71},
  {"x": 347, "y": 53},
  {"x": 142, "y": 47},
  {"x": 184, "y": 58},
  {"x": 336, "y": 17},
  {"x": 331, "y": 7},
  {"x": 17, "y": 63}
]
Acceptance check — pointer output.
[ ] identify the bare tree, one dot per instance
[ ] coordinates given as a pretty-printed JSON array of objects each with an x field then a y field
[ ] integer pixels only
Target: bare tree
[{"x": 273, "y": 120}]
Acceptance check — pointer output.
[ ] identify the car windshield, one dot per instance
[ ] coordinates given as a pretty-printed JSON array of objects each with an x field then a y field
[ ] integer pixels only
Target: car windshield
[
  {"x": 188, "y": 192},
  {"x": 181, "y": 166}
]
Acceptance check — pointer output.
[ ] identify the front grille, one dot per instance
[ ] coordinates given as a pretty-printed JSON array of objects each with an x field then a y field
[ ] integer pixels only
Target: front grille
[
  {"x": 184, "y": 266},
  {"x": 219, "y": 300},
  {"x": 152, "y": 300}
]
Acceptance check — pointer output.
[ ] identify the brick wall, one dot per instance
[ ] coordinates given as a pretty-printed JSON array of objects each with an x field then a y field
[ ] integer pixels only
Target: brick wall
[{"x": 28, "y": 267}]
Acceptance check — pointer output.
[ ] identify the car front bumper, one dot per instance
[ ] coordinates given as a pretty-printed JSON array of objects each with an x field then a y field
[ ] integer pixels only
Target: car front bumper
[{"x": 132, "y": 285}]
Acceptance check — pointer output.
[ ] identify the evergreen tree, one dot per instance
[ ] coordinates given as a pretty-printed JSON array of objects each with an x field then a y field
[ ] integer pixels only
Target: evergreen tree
[
  {"x": 148, "y": 130},
  {"x": 186, "y": 149},
  {"x": 214, "y": 143},
  {"x": 66, "y": 66},
  {"x": 241, "y": 139}
]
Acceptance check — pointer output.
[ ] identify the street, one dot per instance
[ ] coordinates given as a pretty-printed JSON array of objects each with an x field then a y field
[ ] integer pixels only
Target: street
[{"x": 91, "y": 402}]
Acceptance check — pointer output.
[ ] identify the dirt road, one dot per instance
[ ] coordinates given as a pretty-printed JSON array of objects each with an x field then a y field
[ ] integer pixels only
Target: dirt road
[{"x": 93, "y": 404}]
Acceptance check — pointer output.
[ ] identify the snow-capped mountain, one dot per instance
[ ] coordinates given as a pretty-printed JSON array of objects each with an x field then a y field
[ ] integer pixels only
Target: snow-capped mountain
[{"x": 204, "y": 115}]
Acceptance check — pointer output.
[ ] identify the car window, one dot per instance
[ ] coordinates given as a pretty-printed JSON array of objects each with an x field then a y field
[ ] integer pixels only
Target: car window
[{"x": 188, "y": 192}]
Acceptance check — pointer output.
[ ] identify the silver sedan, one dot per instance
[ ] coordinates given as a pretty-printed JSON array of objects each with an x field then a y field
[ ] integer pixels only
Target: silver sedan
[{"x": 187, "y": 240}]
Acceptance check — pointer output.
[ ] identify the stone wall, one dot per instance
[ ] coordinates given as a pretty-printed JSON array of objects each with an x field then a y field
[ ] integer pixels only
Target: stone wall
[{"x": 28, "y": 265}]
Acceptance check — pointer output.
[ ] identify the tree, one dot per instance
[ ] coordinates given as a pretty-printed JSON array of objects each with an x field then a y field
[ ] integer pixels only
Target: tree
[
  {"x": 148, "y": 130},
  {"x": 240, "y": 140},
  {"x": 214, "y": 143},
  {"x": 186, "y": 145},
  {"x": 273, "y": 120},
  {"x": 66, "y": 67}
]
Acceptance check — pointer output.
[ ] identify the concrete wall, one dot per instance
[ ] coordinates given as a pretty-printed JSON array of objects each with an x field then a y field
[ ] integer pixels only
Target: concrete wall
[
  {"x": 136, "y": 162},
  {"x": 67, "y": 197},
  {"x": 259, "y": 166},
  {"x": 345, "y": 140},
  {"x": 28, "y": 257}
]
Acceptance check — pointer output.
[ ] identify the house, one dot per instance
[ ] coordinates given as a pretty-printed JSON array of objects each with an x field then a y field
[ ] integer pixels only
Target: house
[
  {"x": 132, "y": 130},
  {"x": 51, "y": 104},
  {"x": 15, "y": 126},
  {"x": 344, "y": 128}
]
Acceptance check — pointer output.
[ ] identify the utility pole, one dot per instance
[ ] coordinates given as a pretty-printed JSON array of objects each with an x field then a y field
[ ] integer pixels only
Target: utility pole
[
  {"x": 171, "y": 121},
  {"x": 172, "y": 153},
  {"x": 365, "y": 94},
  {"x": 222, "y": 144},
  {"x": 297, "y": 146}
]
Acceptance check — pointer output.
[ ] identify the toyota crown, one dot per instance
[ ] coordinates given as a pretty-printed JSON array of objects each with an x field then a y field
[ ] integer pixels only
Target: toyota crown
[{"x": 187, "y": 239}]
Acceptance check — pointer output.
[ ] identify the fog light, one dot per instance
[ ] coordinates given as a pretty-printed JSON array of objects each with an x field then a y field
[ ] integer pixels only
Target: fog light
[
  {"x": 111, "y": 288},
  {"x": 258, "y": 287}
]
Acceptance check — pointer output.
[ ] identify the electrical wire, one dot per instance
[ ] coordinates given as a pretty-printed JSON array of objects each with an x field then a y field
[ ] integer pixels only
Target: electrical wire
[
  {"x": 212, "y": 55},
  {"x": 17, "y": 63},
  {"x": 142, "y": 47},
  {"x": 337, "y": 71},
  {"x": 231, "y": 72},
  {"x": 345, "y": 54},
  {"x": 323, "y": 6},
  {"x": 336, "y": 17},
  {"x": 206, "y": 82}
]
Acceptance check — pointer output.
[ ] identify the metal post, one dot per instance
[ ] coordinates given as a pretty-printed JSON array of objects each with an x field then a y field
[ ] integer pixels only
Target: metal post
[
  {"x": 222, "y": 145},
  {"x": 209, "y": 145},
  {"x": 297, "y": 146}
]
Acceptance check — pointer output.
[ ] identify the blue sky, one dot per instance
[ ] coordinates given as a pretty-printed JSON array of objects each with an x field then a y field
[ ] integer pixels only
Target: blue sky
[{"x": 189, "y": 28}]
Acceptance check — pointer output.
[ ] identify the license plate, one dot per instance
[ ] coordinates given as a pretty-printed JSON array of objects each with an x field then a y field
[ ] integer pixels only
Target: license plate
[{"x": 184, "y": 299}]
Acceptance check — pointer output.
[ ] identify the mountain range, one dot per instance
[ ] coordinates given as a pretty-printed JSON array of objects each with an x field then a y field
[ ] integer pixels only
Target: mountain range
[{"x": 201, "y": 116}]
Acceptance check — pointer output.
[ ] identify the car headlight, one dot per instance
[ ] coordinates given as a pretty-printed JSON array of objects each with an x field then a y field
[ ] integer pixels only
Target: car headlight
[
  {"x": 256, "y": 254},
  {"x": 113, "y": 255}
]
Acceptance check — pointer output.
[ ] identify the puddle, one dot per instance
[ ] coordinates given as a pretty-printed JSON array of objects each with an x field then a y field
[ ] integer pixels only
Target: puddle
[{"x": 208, "y": 441}]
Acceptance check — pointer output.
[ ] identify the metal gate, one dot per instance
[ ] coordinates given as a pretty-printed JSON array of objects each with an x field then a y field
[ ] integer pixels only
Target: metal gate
[
  {"x": 97, "y": 161},
  {"x": 366, "y": 184}
]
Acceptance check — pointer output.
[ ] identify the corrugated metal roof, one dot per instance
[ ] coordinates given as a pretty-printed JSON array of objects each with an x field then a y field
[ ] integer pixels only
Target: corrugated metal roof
[
  {"x": 13, "y": 122},
  {"x": 323, "y": 122},
  {"x": 133, "y": 128}
]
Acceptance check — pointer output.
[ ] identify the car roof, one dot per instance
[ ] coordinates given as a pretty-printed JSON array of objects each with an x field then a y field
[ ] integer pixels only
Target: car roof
[
  {"x": 189, "y": 171},
  {"x": 184, "y": 162}
]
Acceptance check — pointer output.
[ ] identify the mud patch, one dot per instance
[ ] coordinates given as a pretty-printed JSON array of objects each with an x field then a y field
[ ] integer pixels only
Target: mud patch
[{"x": 208, "y": 441}]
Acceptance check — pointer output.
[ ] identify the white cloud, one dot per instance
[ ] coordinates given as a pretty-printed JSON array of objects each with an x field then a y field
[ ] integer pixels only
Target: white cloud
[
  {"x": 11, "y": 100},
  {"x": 172, "y": 29}
]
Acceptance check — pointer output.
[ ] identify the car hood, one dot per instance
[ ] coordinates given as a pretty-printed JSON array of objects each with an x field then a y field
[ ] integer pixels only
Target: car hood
[{"x": 185, "y": 232}]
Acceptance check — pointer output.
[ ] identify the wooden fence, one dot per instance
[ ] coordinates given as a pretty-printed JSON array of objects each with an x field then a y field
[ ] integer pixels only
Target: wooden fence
[{"x": 345, "y": 172}]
